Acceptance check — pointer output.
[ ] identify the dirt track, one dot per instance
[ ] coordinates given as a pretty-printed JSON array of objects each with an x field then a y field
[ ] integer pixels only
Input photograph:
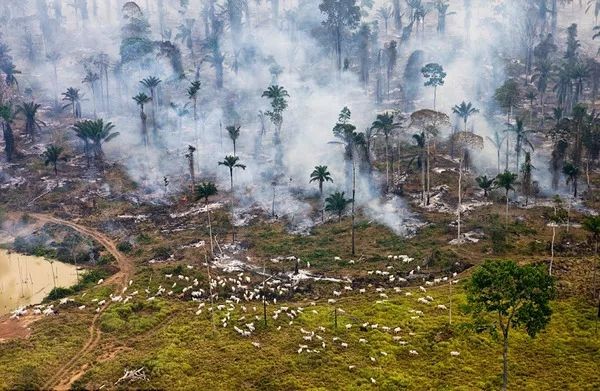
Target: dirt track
[{"x": 76, "y": 365}]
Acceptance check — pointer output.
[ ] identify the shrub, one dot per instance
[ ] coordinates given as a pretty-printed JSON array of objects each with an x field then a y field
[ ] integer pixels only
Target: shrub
[{"x": 124, "y": 247}]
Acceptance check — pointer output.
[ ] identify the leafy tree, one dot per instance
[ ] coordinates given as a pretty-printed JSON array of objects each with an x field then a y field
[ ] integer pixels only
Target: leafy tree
[
  {"x": 464, "y": 111},
  {"x": 434, "y": 75},
  {"x": 192, "y": 93},
  {"x": 341, "y": 15},
  {"x": 185, "y": 34},
  {"x": 385, "y": 13},
  {"x": 94, "y": 134},
  {"x": 91, "y": 78},
  {"x": 234, "y": 134},
  {"x": 571, "y": 172},
  {"x": 74, "y": 98},
  {"x": 321, "y": 175},
  {"x": 507, "y": 97},
  {"x": 277, "y": 95},
  {"x": 204, "y": 191},
  {"x": 337, "y": 203},
  {"x": 141, "y": 100},
  {"x": 52, "y": 155},
  {"x": 29, "y": 110},
  {"x": 527, "y": 181},
  {"x": 521, "y": 138},
  {"x": 385, "y": 125},
  {"x": 506, "y": 181},
  {"x": 486, "y": 184},
  {"x": 231, "y": 162},
  {"x": 503, "y": 296},
  {"x": 6, "y": 119},
  {"x": 152, "y": 83}
]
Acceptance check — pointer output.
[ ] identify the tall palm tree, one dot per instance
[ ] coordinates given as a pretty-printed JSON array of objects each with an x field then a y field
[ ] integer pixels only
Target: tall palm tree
[
  {"x": 96, "y": 133},
  {"x": 485, "y": 184},
  {"x": 337, "y": 203},
  {"x": 231, "y": 162},
  {"x": 385, "y": 13},
  {"x": 541, "y": 76},
  {"x": 506, "y": 181},
  {"x": 234, "y": 134},
  {"x": 192, "y": 93},
  {"x": 91, "y": 78},
  {"x": 52, "y": 155},
  {"x": 321, "y": 175},
  {"x": 185, "y": 34},
  {"x": 7, "y": 116},
  {"x": 29, "y": 110},
  {"x": 521, "y": 138},
  {"x": 74, "y": 98},
  {"x": 152, "y": 83},
  {"x": 277, "y": 95},
  {"x": 497, "y": 142},
  {"x": 204, "y": 191},
  {"x": 141, "y": 100},
  {"x": 386, "y": 125},
  {"x": 464, "y": 111}
]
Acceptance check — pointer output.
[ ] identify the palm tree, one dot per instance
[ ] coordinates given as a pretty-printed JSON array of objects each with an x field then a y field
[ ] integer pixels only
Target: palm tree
[
  {"x": 497, "y": 141},
  {"x": 506, "y": 180},
  {"x": 10, "y": 71},
  {"x": 30, "y": 111},
  {"x": 142, "y": 99},
  {"x": 7, "y": 116},
  {"x": 91, "y": 78},
  {"x": 337, "y": 203},
  {"x": 277, "y": 95},
  {"x": 486, "y": 184},
  {"x": 52, "y": 155},
  {"x": 185, "y": 34},
  {"x": 205, "y": 190},
  {"x": 54, "y": 57},
  {"x": 95, "y": 133},
  {"x": 320, "y": 174},
  {"x": 385, "y": 13},
  {"x": 541, "y": 77},
  {"x": 521, "y": 138},
  {"x": 152, "y": 83},
  {"x": 74, "y": 98},
  {"x": 192, "y": 93},
  {"x": 385, "y": 125},
  {"x": 464, "y": 111},
  {"x": 526, "y": 182},
  {"x": 234, "y": 134},
  {"x": 571, "y": 171},
  {"x": 231, "y": 162}
]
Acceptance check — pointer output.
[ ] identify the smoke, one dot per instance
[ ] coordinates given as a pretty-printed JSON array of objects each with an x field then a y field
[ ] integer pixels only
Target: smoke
[{"x": 474, "y": 61}]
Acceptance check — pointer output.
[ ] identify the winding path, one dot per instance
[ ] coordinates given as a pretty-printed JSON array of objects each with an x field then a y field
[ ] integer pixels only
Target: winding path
[{"x": 72, "y": 369}]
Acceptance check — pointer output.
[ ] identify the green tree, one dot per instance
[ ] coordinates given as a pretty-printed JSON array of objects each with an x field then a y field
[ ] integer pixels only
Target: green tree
[
  {"x": 277, "y": 95},
  {"x": 503, "y": 296},
  {"x": 506, "y": 181},
  {"x": 52, "y": 155},
  {"x": 337, "y": 203},
  {"x": 527, "y": 180},
  {"x": 192, "y": 93},
  {"x": 521, "y": 138},
  {"x": 341, "y": 15},
  {"x": 29, "y": 110},
  {"x": 385, "y": 125},
  {"x": 234, "y": 134},
  {"x": 91, "y": 78},
  {"x": 321, "y": 175},
  {"x": 486, "y": 184},
  {"x": 95, "y": 133},
  {"x": 141, "y": 100},
  {"x": 152, "y": 83},
  {"x": 434, "y": 75},
  {"x": 507, "y": 96},
  {"x": 74, "y": 98},
  {"x": 464, "y": 111},
  {"x": 232, "y": 162},
  {"x": 204, "y": 191}
]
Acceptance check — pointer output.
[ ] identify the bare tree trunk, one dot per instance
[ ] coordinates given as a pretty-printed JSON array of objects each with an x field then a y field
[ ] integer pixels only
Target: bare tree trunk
[{"x": 505, "y": 361}]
